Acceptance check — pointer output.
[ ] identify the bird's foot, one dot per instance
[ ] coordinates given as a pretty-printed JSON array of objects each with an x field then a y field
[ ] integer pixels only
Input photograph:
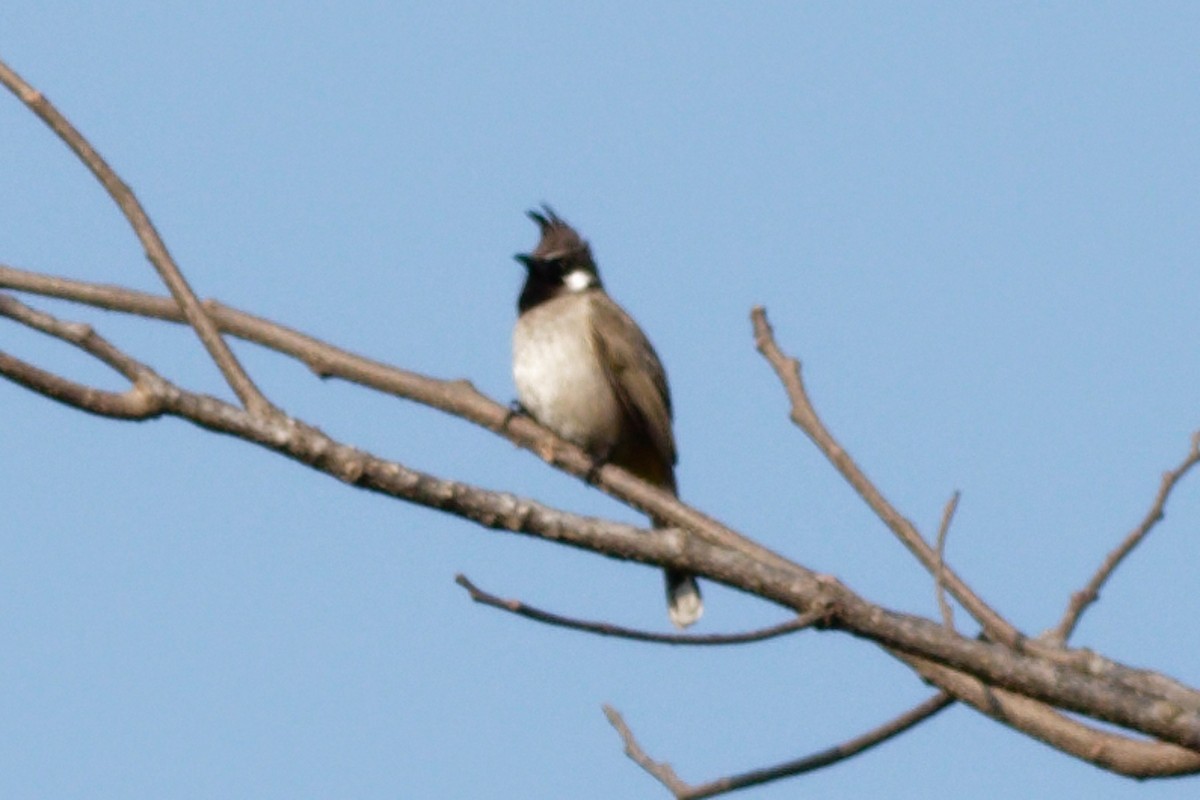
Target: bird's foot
[
  {"x": 599, "y": 461},
  {"x": 515, "y": 409}
]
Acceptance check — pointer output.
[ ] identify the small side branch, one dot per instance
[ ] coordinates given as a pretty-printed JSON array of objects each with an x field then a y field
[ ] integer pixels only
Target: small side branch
[
  {"x": 665, "y": 774},
  {"x": 605, "y": 629},
  {"x": 940, "y": 577},
  {"x": 136, "y": 403},
  {"x": 804, "y": 414},
  {"x": 660, "y": 770},
  {"x": 156, "y": 249},
  {"x": 1082, "y": 599}
]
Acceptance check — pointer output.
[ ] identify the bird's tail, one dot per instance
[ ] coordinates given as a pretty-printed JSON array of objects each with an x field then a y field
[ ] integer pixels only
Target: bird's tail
[{"x": 684, "y": 605}]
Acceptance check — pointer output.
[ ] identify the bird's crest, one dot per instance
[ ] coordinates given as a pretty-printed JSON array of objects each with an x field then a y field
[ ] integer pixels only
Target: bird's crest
[{"x": 558, "y": 238}]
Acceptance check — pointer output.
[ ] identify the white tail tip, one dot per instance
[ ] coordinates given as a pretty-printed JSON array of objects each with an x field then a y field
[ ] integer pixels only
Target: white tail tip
[{"x": 684, "y": 605}]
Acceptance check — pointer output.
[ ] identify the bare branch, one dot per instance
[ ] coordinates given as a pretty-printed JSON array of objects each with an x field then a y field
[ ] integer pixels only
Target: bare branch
[
  {"x": 605, "y": 629},
  {"x": 661, "y": 771},
  {"x": 1140, "y": 758},
  {"x": 118, "y": 405},
  {"x": 664, "y": 773},
  {"x": 1082, "y": 599},
  {"x": 1079, "y": 681},
  {"x": 1011, "y": 682},
  {"x": 80, "y": 335},
  {"x": 804, "y": 414},
  {"x": 939, "y": 580},
  {"x": 135, "y": 403},
  {"x": 1135, "y": 758},
  {"x": 155, "y": 248},
  {"x": 461, "y": 399},
  {"x": 456, "y": 397}
]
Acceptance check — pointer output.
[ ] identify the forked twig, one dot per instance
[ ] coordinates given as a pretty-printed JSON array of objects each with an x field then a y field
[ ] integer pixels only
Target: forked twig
[
  {"x": 804, "y": 414},
  {"x": 665, "y": 774},
  {"x": 135, "y": 403},
  {"x": 605, "y": 629},
  {"x": 1090, "y": 593},
  {"x": 156, "y": 249},
  {"x": 660, "y": 770}
]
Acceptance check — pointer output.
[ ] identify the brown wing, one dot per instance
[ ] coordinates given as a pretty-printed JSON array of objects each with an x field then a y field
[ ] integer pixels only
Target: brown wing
[{"x": 638, "y": 379}]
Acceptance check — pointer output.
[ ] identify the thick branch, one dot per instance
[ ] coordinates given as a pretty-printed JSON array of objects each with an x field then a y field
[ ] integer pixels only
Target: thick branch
[
  {"x": 1083, "y": 683},
  {"x": 156, "y": 249},
  {"x": 460, "y": 399},
  {"x": 456, "y": 397},
  {"x": 1122, "y": 755}
]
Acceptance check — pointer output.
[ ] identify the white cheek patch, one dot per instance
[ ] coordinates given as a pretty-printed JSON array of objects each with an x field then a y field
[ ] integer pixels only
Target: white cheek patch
[{"x": 579, "y": 279}]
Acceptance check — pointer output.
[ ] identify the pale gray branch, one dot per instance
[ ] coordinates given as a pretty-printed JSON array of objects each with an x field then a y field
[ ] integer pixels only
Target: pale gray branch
[
  {"x": 940, "y": 575},
  {"x": 665, "y": 774},
  {"x": 1081, "y": 600},
  {"x": 804, "y": 414},
  {"x": 1085, "y": 683},
  {"x": 1017, "y": 682},
  {"x": 156, "y": 249}
]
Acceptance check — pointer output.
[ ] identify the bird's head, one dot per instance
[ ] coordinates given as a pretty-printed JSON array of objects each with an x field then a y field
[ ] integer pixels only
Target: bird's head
[{"x": 562, "y": 260}]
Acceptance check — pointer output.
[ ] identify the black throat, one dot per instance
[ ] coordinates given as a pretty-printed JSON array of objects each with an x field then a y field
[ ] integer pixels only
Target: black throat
[
  {"x": 554, "y": 266},
  {"x": 538, "y": 290}
]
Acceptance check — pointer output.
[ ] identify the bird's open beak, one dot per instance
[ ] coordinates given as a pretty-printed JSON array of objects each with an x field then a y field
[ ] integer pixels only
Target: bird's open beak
[{"x": 525, "y": 259}]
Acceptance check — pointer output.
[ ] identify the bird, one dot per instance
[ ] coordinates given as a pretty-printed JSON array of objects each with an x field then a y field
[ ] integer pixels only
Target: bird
[{"x": 585, "y": 370}]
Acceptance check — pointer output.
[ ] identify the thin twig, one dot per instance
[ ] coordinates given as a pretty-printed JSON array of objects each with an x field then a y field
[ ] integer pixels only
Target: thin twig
[
  {"x": 605, "y": 629},
  {"x": 940, "y": 575},
  {"x": 136, "y": 403},
  {"x": 804, "y": 414},
  {"x": 661, "y": 770},
  {"x": 1090, "y": 593},
  {"x": 156, "y": 249},
  {"x": 664, "y": 773}
]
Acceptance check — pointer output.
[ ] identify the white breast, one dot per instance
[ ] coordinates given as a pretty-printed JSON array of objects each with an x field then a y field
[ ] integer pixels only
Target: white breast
[{"x": 559, "y": 379}]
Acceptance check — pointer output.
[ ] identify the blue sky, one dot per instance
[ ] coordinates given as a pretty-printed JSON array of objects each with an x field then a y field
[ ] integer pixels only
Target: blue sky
[{"x": 975, "y": 224}]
